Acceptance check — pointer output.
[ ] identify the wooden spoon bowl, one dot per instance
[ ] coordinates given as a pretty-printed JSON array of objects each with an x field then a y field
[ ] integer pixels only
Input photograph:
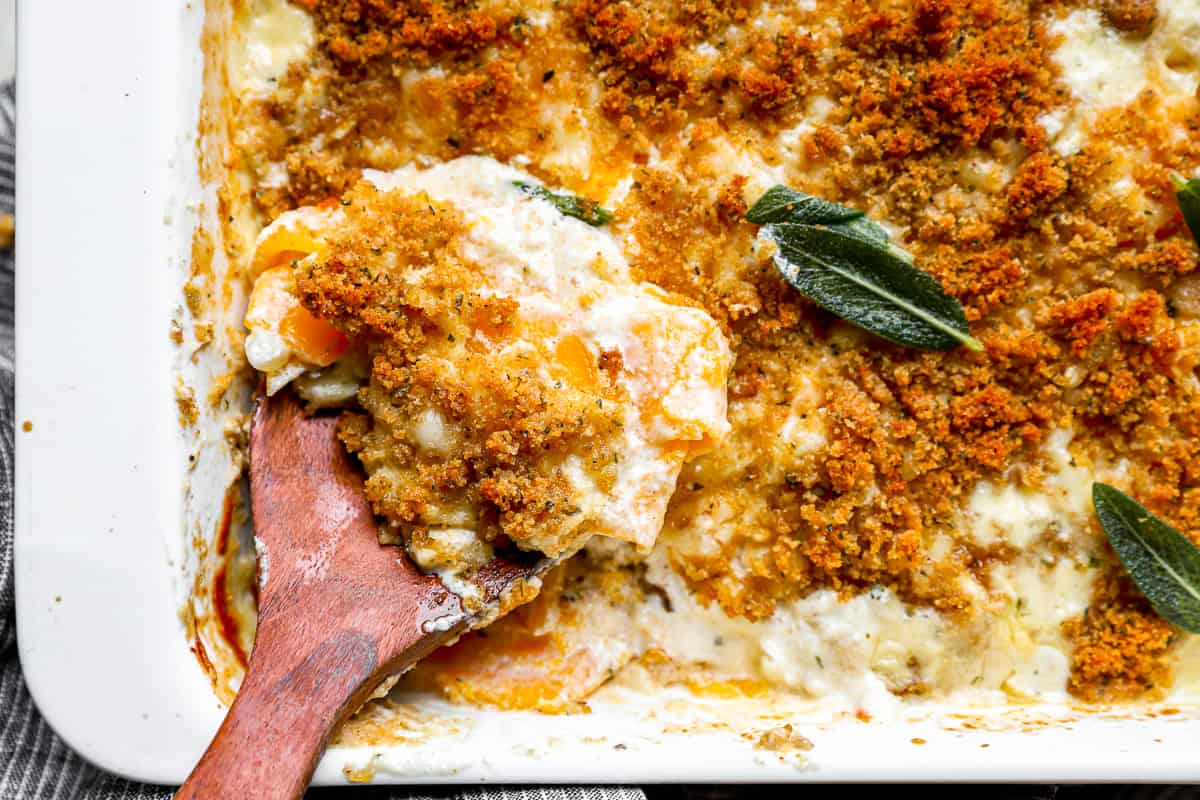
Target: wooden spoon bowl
[{"x": 338, "y": 612}]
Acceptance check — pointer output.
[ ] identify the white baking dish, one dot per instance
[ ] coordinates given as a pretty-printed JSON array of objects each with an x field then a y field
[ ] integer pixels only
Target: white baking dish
[{"x": 108, "y": 193}]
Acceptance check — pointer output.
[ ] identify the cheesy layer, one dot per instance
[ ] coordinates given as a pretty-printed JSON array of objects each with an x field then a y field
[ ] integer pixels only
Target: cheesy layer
[{"x": 880, "y": 526}]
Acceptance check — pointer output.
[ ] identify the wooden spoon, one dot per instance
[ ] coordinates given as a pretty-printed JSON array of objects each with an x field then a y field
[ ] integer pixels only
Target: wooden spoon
[{"x": 338, "y": 612}]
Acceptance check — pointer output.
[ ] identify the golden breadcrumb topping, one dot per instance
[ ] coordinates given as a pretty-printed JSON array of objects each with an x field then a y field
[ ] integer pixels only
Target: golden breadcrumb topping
[
  {"x": 355, "y": 33},
  {"x": 437, "y": 346},
  {"x": 1121, "y": 646},
  {"x": 928, "y": 114}
]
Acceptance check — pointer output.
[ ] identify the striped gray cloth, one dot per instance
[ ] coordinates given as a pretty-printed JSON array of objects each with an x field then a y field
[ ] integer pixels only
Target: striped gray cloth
[{"x": 34, "y": 763}]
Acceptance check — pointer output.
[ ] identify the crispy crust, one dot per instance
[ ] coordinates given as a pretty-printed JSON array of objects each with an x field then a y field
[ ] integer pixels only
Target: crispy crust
[
  {"x": 1059, "y": 276},
  {"x": 1121, "y": 646},
  {"x": 434, "y": 347}
]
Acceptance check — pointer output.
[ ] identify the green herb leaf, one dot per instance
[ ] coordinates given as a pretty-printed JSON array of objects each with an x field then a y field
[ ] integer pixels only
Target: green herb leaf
[
  {"x": 848, "y": 265},
  {"x": 781, "y": 204},
  {"x": 1187, "y": 192},
  {"x": 569, "y": 204},
  {"x": 1163, "y": 562}
]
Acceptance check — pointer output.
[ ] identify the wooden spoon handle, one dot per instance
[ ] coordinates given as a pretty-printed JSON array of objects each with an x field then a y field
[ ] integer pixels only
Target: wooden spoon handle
[
  {"x": 337, "y": 612},
  {"x": 277, "y": 728}
]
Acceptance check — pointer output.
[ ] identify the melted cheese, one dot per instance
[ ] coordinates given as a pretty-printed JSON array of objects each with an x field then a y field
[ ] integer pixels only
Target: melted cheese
[
  {"x": 1106, "y": 69},
  {"x": 867, "y": 651},
  {"x": 854, "y": 653},
  {"x": 1005, "y": 512},
  {"x": 275, "y": 34}
]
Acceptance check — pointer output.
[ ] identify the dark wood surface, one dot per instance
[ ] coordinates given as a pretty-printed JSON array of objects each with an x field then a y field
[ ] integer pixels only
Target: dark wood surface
[{"x": 338, "y": 613}]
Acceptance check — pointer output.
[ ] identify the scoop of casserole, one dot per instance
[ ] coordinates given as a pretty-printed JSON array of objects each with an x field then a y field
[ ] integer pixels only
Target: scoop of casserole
[{"x": 512, "y": 385}]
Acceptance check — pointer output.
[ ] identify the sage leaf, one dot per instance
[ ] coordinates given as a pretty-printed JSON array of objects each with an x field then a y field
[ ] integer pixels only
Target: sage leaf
[
  {"x": 781, "y": 204},
  {"x": 848, "y": 265},
  {"x": 569, "y": 204},
  {"x": 1187, "y": 192},
  {"x": 1163, "y": 562}
]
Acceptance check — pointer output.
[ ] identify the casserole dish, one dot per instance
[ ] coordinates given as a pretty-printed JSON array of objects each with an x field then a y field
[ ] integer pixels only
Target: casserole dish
[{"x": 117, "y": 508}]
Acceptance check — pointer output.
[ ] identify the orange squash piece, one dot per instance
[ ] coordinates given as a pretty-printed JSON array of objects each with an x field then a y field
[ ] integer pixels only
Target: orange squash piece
[{"x": 312, "y": 338}]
